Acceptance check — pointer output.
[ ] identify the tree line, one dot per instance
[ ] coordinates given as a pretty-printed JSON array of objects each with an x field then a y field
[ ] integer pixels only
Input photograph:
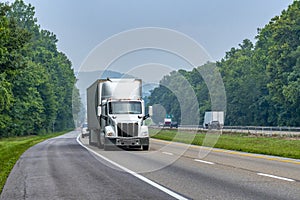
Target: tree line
[
  {"x": 36, "y": 80},
  {"x": 262, "y": 80}
]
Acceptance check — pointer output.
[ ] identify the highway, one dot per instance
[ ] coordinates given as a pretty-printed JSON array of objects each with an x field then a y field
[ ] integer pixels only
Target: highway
[{"x": 68, "y": 168}]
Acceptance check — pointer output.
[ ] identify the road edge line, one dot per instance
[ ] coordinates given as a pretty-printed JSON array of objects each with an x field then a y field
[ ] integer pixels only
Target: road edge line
[{"x": 146, "y": 180}]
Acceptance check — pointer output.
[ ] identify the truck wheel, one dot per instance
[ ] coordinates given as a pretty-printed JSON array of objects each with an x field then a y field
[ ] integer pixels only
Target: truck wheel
[{"x": 145, "y": 147}]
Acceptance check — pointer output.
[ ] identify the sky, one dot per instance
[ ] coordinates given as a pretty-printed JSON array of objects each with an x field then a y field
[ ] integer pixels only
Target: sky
[{"x": 216, "y": 25}]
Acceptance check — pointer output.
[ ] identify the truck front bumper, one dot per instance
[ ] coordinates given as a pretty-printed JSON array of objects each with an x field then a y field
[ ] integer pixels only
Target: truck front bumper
[{"x": 131, "y": 142}]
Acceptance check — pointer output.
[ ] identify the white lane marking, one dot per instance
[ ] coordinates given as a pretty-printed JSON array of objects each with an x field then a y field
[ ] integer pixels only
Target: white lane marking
[
  {"x": 168, "y": 153},
  {"x": 277, "y": 177},
  {"x": 203, "y": 161},
  {"x": 146, "y": 180},
  {"x": 245, "y": 154}
]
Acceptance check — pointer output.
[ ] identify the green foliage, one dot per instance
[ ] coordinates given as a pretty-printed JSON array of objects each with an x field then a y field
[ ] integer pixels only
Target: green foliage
[
  {"x": 179, "y": 94},
  {"x": 244, "y": 82},
  {"x": 262, "y": 80},
  {"x": 5, "y": 93},
  {"x": 280, "y": 41},
  {"x": 36, "y": 80}
]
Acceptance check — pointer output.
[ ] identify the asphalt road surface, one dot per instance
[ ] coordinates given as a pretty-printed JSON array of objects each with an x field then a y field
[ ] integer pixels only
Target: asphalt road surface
[
  {"x": 66, "y": 168},
  {"x": 60, "y": 168}
]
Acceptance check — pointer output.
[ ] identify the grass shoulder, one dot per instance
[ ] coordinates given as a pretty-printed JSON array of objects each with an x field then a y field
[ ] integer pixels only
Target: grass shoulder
[
  {"x": 13, "y": 147},
  {"x": 276, "y": 146}
]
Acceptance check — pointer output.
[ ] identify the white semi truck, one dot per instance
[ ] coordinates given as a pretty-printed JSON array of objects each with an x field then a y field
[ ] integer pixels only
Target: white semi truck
[
  {"x": 213, "y": 120},
  {"x": 116, "y": 114}
]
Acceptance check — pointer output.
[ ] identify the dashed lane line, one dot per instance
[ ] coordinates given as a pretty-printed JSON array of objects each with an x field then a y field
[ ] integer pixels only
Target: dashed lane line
[
  {"x": 203, "y": 161},
  {"x": 276, "y": 177},
  {"x": 245, "y": 154},
  {"x": 146, "y": 180},
  {"x": 168, "y": 153}
]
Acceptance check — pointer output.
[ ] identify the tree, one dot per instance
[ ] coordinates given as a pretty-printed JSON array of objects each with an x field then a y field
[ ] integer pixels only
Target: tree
[
  {"x": 36, "y": 80},
  {"x": 262, "y": 80},
  {"x": 279, "y": 42}
]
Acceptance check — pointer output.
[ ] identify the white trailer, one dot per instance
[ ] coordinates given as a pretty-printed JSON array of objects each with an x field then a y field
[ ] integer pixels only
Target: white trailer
[
  {"x": 213, "y": 120},
  {"x": 116, "y": 114}
]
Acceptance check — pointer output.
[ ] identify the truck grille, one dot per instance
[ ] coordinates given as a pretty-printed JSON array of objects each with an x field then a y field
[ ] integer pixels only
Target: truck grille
[{"x": 128, "y": 129}]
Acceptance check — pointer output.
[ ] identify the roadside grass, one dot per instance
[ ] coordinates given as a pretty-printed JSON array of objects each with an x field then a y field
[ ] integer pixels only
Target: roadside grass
[
  {"x": 12, "y": 148},
  {"x": 276, "y": 146}
]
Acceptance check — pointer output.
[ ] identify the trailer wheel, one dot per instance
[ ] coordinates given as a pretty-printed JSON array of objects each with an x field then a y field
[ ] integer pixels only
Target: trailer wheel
[
  {"x": 106, "y": 147},
  {"x": 145, "y": 147},
  {"x": 101, "y": 146},
  {"x": 100, "y": 141}
]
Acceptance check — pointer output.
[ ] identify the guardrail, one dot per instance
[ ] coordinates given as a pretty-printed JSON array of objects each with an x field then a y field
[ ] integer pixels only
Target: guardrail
[
  {"x": 263, "y": 128},
  {"x": 256, "y": 130}
]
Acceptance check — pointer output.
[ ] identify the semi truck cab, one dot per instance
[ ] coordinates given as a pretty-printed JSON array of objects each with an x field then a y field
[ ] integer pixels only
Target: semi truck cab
[
  {"x": 116, "y": 114},
  {"x": 124, "y": 123}
]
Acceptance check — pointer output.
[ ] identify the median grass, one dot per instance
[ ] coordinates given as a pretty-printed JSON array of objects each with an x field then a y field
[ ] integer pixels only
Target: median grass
[
  {"x": 12, "y": 148},
  {"x": 277, "y": 146}
]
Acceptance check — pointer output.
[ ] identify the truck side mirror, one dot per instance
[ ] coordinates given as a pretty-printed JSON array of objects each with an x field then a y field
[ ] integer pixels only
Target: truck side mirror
[
  {"x": 150, "y": 111},
  {"x": 146, "y": 116},
  {"x": 99, "y": 111}
]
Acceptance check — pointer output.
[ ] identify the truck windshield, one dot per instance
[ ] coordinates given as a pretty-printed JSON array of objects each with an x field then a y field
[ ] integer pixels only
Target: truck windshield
[{"x": 125, "y": 107}]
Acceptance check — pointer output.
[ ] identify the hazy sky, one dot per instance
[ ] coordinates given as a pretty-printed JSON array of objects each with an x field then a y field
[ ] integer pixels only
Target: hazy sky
[{"x": 217, "y": 25}]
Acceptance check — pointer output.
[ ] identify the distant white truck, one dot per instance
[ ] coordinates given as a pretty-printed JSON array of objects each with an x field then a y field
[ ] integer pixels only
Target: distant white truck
[{"x": 213, "y": 120}]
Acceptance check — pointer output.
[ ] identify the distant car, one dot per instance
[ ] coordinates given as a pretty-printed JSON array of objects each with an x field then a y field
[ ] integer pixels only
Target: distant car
[
  {"x": 160, "y": 124},
  {"x": 169, "y": 124},
  {"x": 174, "y": 125},
  {"x": 84, "y": 130}
]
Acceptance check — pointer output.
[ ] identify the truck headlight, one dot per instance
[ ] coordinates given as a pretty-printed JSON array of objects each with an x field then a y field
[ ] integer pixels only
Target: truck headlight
[
  {"x": 144, "y": 131},
  {"x": 109, "y": 131}
]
